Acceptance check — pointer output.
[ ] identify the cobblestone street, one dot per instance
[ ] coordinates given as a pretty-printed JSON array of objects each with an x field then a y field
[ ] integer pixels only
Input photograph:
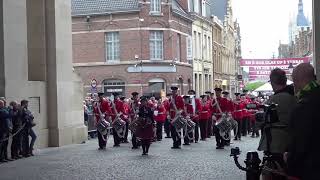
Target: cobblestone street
[{"x": 84, "y": 161}]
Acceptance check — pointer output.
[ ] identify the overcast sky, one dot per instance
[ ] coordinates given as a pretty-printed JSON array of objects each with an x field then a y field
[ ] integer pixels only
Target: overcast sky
[{"x": 264, "y": 22}]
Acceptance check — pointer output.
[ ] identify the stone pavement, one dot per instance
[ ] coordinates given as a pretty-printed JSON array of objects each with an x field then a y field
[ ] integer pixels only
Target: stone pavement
[{"x": 85, "y": 162}]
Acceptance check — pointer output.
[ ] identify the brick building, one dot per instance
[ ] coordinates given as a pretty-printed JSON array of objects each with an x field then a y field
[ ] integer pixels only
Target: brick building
[{"x": 132, "y": 45}]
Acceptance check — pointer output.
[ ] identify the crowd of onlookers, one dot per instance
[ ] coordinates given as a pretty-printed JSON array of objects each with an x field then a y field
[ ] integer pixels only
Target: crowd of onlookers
[{"x": 16, "y": 123}]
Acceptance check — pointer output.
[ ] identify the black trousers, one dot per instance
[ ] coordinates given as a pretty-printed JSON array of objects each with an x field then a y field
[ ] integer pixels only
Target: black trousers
[
  {"x": 238, "y": 135},
  {"x": 167, "y": 127},
  {"x": 127, "y": 130},
  {"x": 209, "y": 128},
  {"x": 244, "y": 128},
  {"x": 16, "y": 142},
  {"x": 196, "y": 131},
  {"x": 3, "y": 146},
  {"x": 102, "y": 143},
  {"x": 219, "y": 140},
  {"x": 186, "y": 138},
  {"x": 134, "y": 140},
  {"x": 116, "y": 138},
  {"x": 175, "y": 137},
  {"x": 159, "y": 130},
  {"x": 25, "y": 141},
  {"x": 203, "y": 128},
  {"x": 255, "y": 129},
  {"x": 145, "y": 143}
]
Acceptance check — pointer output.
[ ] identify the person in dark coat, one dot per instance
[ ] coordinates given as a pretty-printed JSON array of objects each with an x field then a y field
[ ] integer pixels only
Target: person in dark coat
[
  {"x": 146, "y": 131},
  {"x": 15, "y": 114},
  {"x": 303, "y": 160},
  {"x": 4, "y": 131}
]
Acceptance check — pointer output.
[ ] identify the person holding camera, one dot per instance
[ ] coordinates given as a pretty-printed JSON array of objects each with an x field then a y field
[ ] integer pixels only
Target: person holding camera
[
  {"x": 303, "y": 154},
  {"x": 275, "y": 137}
]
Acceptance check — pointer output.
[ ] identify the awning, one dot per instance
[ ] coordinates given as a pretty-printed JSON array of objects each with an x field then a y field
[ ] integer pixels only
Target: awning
[{"x": 224, "y": 83}]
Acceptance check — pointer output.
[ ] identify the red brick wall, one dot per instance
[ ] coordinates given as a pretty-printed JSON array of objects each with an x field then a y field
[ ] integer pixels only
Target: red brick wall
[{"x": 88, "y": 47}]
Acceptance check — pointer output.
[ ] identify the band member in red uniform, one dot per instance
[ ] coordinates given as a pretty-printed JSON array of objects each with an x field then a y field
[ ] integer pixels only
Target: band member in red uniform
[
  {"x": 176, "y": 106},
  {"x": 118, "y": 111},
  {"x": 245, "y": 115},
  {"x": 166, "y": 103},
  {"x": 160, "y": 116},
  {"x": 221, "y": 106},
  {"x": 125, "y": 115},
  {"x": 237, "y": 114},
  {"x": 203, "y": 117},
  {"x": 188, "y": 113},
  {"x": 209, "y": 127},
  {"x": 102, "y": 109},
  {"x": 252, "y": 118},
  {"x": 134, "y": 110},
  {"x": 145, "y": 132},
  {"x": 196, "y": 104}
]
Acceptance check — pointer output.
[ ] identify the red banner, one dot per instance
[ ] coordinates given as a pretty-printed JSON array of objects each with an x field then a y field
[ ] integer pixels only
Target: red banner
[{"x": 274, "y": 62}]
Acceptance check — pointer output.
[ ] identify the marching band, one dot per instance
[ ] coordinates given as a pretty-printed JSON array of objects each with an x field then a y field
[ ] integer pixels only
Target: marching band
[{"x": 182, "y": 116}]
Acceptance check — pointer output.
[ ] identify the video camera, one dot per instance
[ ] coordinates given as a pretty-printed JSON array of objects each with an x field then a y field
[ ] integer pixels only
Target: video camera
[{"x": 254, "y": 166}]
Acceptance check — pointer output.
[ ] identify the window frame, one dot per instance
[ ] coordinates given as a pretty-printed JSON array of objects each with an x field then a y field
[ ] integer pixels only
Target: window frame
[
  {"x": 153, "y": 40},
  {"x": 113, "y": 45}
]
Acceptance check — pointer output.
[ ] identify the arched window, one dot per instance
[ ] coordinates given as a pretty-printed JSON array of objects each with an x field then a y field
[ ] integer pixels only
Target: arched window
[{"x": 113, "y": 85}]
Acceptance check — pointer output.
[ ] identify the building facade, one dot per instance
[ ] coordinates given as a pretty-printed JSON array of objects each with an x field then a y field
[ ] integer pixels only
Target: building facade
[
  {"x": 35, "y": 64},
  {"x": 127, "y": 46},
  {"x": 202, "y": 46},
  {"x": 225, "y": 47}
]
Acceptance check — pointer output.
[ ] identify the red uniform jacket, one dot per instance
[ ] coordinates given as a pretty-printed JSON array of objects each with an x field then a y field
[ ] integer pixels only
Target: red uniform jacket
[
  {"x": 198, "y": 109},
  {"x": 105, "y": 109},
  {"x": 209, "y": 102},
  {"x": 162, "y": 115},
  {"x": 204, "y": 113},
  {"x": 238, "y": 108},
  {"x": 179, "y": 104},
  {"x": 134, "y": 106},
  {"x": 119, "y": 106},
  {"x": 244, "y": 111},
  {"x": 252, "y": 112}
]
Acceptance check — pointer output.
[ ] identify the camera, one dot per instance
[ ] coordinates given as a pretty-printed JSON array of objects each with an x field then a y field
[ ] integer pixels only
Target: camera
[{"x": 235, "y": 151}]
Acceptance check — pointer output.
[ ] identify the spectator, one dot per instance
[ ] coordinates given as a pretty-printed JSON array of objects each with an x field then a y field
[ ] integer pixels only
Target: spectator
[
  {"x": 28, "y": 120},
  {"x": 277, "y": 135},
  {"x": 15, "y": 114},
  {"x": 302, "y": 157},
  {"x": 5, "y": 129}
]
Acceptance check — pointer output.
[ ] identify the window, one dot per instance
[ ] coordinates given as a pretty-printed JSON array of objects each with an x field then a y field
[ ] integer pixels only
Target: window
[
  {"x": 112, "y": 46},
  {"x": 156, "y": 45},
  {"x": 195, "y": 46},
  {"x": 205, "y": 47},
  {"x": 155, "y": 6},
  {"x": 179, "y": 47},
  {"x": 199, "y": 46},
  {"x": 189, "y": 49},
  {"x": 209, "y": 49}
]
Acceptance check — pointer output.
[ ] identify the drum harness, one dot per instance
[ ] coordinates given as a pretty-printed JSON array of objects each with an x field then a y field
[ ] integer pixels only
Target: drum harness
[
  {"x": 117, "y": 118},
  {"x": 101, "y": 115},
  {"x": 223, "y": 118}
]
